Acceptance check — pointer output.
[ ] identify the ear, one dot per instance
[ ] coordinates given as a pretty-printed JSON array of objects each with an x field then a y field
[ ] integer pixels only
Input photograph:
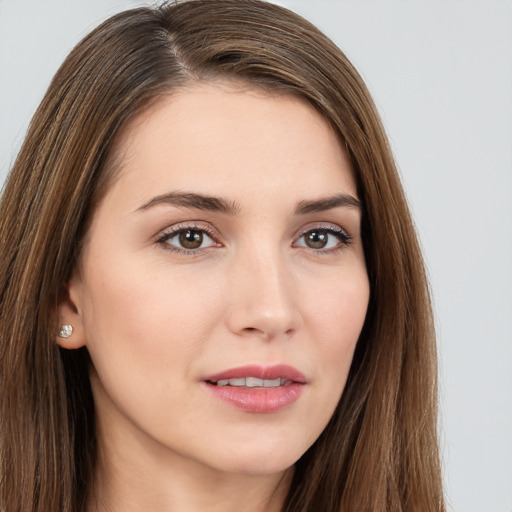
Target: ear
[{"x": 71, "y": 334}]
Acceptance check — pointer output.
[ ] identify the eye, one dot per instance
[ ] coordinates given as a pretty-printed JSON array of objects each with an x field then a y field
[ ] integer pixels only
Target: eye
[
  {"x": 187, "y": 239},
  {"x": 324, "y": 239}
]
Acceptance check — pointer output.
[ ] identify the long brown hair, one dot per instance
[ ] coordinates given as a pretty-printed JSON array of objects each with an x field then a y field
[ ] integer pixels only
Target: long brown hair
[{"x": 379, "y": 452}]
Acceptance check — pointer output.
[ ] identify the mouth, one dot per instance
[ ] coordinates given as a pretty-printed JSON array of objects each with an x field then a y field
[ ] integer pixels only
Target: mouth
[
  {"x": 252, "y": 382},
  {"x": 258, "y": 376},
  {"x": 257, "y": 389}
]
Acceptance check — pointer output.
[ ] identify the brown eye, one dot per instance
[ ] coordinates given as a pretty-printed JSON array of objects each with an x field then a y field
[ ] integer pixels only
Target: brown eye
[
  {"x": 324, "y": 239},
  {"x": 190, "y": 239},
  {"x": 316, "y": 239},
  {"x": 187, "y": 240}
]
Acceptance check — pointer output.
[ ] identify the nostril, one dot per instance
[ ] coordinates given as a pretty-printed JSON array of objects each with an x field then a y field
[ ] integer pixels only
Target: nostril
[
  {"x": 255, "y": 332},
  {"x": 251, "y": 330},
  {"x": 267, "y": 334}
]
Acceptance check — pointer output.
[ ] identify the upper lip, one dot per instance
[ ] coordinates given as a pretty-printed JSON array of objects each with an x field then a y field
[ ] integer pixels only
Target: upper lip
[{"x": 282, "y": 371}]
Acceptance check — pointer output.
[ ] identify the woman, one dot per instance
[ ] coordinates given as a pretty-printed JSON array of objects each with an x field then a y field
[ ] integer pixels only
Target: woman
[{"x": 211, "y": 289}]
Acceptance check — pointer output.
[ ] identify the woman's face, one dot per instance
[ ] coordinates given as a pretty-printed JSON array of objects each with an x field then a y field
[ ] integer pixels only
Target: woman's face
[{"x": 222, "y": 287}]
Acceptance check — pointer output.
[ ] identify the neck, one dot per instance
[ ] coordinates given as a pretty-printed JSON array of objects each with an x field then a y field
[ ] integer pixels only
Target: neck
[{"x": 185, "y": 489}]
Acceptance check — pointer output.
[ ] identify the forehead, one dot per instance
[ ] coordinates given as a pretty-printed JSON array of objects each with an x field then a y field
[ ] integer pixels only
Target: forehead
[{"x": 224, "y": 138}]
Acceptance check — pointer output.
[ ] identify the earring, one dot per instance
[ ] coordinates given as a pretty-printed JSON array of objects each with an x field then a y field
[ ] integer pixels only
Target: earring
[{"x": 65, "y": 331}]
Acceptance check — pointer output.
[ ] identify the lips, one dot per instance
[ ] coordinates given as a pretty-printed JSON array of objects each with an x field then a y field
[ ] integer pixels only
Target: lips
[
  {"x": 253, "y": 382},
  {"x": 257, "y": 389},
  {"x": 279, "y": 371}
]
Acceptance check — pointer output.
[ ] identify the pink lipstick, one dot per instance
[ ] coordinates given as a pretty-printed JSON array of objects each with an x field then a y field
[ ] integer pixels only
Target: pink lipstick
[{"x": 257, "y": 389}]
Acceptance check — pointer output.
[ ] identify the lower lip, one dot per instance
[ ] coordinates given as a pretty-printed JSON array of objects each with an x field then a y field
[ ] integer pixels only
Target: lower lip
[{"x": 257, "y": 400}]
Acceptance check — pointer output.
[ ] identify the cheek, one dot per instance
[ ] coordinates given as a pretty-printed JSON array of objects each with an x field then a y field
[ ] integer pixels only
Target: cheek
[
  {"x": 146, "y": 315},
  {"x": 144, "y": 334},
  {"x": 336, "y": 316},
  {"x": 339, "y": 308}
]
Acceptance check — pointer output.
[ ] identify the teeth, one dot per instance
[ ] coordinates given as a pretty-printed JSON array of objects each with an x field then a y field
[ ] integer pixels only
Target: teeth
[
  {"x": 253, "y": 382},
  {"x": 272, "y": 383},
  {"x": 236, "y": 382}
]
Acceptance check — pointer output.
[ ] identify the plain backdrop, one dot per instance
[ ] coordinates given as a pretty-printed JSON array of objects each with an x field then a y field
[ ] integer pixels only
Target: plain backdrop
[{"x": 441, "y": 75}]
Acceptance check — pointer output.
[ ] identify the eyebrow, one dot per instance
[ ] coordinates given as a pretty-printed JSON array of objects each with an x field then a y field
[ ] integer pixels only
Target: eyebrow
[
  {"x": 328, "y": 203},
  {"x": 195, "y": 201},
  {"x": 220, "y": 205}
]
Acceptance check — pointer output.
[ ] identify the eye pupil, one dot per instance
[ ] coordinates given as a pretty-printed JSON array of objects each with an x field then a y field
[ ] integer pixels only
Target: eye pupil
[
  {"x": 191, "y": 239},
  {"x": 317, "y": 239}
]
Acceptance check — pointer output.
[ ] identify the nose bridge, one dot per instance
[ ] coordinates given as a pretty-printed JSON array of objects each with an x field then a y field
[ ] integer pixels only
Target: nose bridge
[{"x": 262, "y": 301}]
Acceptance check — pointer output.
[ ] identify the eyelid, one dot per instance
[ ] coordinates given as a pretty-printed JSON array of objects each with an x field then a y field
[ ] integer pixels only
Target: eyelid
[{"x": 180, "y": 226}]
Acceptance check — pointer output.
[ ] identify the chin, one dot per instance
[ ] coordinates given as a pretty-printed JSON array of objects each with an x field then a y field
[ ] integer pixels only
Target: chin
[{"x": 258, "y": 460}]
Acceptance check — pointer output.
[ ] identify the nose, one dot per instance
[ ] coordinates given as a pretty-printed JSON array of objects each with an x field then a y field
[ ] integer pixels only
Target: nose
[{"x": 263, "y": 303}]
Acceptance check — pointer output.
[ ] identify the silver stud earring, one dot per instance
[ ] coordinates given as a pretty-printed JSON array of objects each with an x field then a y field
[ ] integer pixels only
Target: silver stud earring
[{"x": 65, "y": 331}]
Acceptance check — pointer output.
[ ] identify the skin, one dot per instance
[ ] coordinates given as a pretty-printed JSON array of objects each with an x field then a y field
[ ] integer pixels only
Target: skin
[{"x": 156, "y": 321}]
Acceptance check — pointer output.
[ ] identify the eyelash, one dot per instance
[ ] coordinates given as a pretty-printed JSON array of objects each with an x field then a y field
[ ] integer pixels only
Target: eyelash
[{"x": 340, "y": 234}]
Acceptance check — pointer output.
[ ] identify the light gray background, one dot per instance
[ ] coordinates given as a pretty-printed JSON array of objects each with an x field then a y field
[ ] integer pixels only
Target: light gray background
[{"x": 441, "y": 74}]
